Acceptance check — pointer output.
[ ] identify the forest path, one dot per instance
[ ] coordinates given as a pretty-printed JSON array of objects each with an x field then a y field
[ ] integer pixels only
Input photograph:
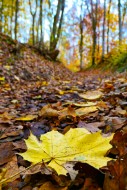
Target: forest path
[{"x": 38, "y": 95}]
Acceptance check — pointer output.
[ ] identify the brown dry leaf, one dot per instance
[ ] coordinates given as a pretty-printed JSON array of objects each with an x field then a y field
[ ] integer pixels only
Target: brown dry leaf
[
  {"x": 10, "y": 132},
  {"x": 109, "y": 85},
  {"x": 115, "y": 122},
  {"x": 47, "y": 111},
  {"x": 102, "y": 104},
  {"x": 6, "y": 152},
  {"x": 120, "y": 110},
  {"x": 69, "y": 111},
  {"x": 91, "y": 95},
  {"x": 39, "y": 167},
  {"x": 85, "y": 111},
  {"x": 117, "y": 178},
  {"x": 49, "y": 186},
  {"x": 92, "y": 127},
  {"x": 61, "y": 180},
  {"x": 12, "y": 169},
  {"x": 31, "y": 170},
  {"x": 19, "y": 145},
  {"x": 5, "y": 117}
]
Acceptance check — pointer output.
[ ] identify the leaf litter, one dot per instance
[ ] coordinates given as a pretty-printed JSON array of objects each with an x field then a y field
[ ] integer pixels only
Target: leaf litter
[{"x": 42, "y": 97}]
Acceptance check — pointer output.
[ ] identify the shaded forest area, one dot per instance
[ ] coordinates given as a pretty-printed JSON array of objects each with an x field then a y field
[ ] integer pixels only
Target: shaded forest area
[{"x": 61, "y": 129}]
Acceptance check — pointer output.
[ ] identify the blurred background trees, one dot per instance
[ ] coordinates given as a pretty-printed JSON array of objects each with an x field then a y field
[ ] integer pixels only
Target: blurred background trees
[{"x": 87, "y": 32}]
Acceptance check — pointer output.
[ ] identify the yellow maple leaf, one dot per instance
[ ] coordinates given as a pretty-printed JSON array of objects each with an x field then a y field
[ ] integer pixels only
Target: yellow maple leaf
[{"x": 76, "y": 145}]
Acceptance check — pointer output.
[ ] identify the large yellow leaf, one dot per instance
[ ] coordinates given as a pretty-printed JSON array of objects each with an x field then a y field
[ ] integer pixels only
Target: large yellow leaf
[{"x": 76, "y": 145}]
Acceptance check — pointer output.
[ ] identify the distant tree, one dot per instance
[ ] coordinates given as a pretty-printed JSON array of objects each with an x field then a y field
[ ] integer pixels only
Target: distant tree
[
  {"x": 40, "y": 28},
  {"x": 93, "y": 16},
  {"x": 120, "y": 21},
  {"x": 57, "y": 24},
  {"x": 33, "y": 13},
  {"x": 108, "y": 23},
  {"x": 81, "y": 37},
  {"x": 16, "y": 18},
  {"x": 103, "y": 34},
  {"x": 124, "y": 12},
  {"x": 1, "y": 14},
  {"x": 11, "y": 19},
  {"x": 40, "y": 19}
]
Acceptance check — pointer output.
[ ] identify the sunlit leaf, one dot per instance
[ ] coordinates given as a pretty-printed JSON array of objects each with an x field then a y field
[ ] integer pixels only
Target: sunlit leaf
[
  {"x": 27, "y": 118},
  {"x": 85, "y": 111},
  {"x": 56, "y": 149},
  {"x": 81, "y": 104},
  {"x": 91, "y": 95},
  {"x": 2, "y": 78}
]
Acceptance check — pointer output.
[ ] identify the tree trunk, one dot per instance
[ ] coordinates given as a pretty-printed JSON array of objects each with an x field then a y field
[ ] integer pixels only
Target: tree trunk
[
  {"x": 12, "y": 13},
  {"x": 120, "y": 22},
  {"x": 93, "y": 17},
  {"x": 16, "y": 18},
  {"x": 103, "y": 34},
  {"x": 33, "y": 26},
  {"x": 1, "y": 15},
  {"x": 81, "y": 39},
  {"x": 33, "y": 20},
  {"x": 41, "y": 15},
  {"x": 57, "y": 24},
  {"x": 94, "y": 24},
  {"x": 108, "y": 23}
]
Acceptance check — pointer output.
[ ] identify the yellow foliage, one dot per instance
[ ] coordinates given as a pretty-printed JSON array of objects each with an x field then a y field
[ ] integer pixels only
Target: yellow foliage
[
  {"x": 27, "y": 118},
  {"x": 56, "y": 149}
]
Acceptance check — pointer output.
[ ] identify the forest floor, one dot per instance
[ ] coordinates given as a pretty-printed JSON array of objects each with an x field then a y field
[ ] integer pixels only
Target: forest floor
[{"x": 39, "y": 95}]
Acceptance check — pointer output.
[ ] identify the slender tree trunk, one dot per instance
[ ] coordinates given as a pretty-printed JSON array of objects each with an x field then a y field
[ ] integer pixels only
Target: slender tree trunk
[
  {"x": 1, "y": 15},
  {"x": 33, "y": 31},
  {"x": 81, "y": 45},
  {"x": 103, "y": 34},
  {"x": 57, "y": 24},
  {"x": 53, "y": 33},
  {"x": 93, "y": 17},
  {"x": 12, "y": 9},
  {"x": 120, "y": 22},
  {"x": 16, "y": 18},
  {"x": 108, "y": 23},
  {"x": 81, "y": 39},
  {"x": 94, "y": 24},
  {"x": 33, "y": 20},
  {"x": 124, "y": 12},
  {"x": 41, "y": 24}
]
